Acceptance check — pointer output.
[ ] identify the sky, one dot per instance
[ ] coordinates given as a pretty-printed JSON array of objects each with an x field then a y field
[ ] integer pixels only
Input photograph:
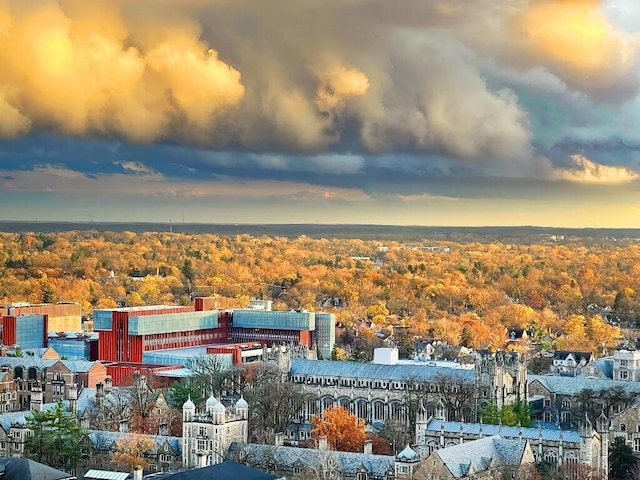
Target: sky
[{"x": 408, "y": 112}]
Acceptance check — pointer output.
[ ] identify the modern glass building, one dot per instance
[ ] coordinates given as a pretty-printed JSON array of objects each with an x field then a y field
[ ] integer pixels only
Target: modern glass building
[
  {"x": 26, "y": 331},
  {"x": 277, "y": 327}
]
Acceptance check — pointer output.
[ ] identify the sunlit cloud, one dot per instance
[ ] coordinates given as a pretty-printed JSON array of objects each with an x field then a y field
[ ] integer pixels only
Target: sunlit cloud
[{"x": 584, "y": 170}]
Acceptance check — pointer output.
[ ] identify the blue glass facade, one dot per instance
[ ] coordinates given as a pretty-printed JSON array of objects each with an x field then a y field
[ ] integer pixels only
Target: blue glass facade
[
  {"x": 172, "y": 322},
  {"x": 30, "y": 331},
  {"x": 102, "y": 319},
  {"x": 325, "y": 334},
  {"x": 71, "y": 349},
  {"x": 280, "y": 320}
]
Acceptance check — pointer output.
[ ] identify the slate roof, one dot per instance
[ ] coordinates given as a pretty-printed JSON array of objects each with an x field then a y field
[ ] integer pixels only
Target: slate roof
[
  {"x": 226, "y": 470},
  {"x": 574, "y": 385},
  {"x": 531, "y": 433},
  {"x": 86, "y": 400},
  {"x": 285, "y": 457},
  {"x": 26, "y": 469},
  {"x": 478, "y": 454},
  {"x": 578, "y": 356},
  {"x": 78, "y": 366},
  {"x": 103, "y": 438},
  {"x": 372, "y": 371},
  {"x": 27, "y": 362},
  {"x": 606, "y": 366}
]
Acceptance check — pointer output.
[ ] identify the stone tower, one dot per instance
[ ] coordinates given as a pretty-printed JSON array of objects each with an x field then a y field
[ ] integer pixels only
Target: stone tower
[{"x": 501, "y": 378}]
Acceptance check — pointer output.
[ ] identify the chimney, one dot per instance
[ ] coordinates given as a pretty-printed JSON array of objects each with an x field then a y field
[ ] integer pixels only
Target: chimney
[
  {"x": 279, "y": 440},
  {"x": 137, "y": 472},
  {"x": 72, "y": 396},
  {"x": 202, "y": 459},
  {"x": 36, "y": 399},
  {"x": 322, "y": 443},
  {"x": 108, "y": 384},
  {"x": 368, "y": 446}
]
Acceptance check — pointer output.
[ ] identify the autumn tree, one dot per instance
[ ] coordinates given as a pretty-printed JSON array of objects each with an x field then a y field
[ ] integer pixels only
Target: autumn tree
[
  {"x": 344, "y": 431},
  {"x": 132, "y": 451}
]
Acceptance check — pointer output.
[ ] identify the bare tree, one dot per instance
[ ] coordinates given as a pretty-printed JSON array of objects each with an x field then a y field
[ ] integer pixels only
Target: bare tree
[
  {"x": 274, "y": 402},
  {"x": 457, "y": 395}
]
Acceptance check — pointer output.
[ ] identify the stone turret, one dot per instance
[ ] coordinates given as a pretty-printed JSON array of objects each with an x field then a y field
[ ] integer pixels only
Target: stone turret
[{"x": 188, "y": 410}]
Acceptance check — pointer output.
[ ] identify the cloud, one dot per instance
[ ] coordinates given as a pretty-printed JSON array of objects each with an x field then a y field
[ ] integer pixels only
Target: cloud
[
  {"x": 584, "y": 170},
  {"x": 135, "y": 167},
  {"x": 307, "y": 86},
  {"x": 575, "y": 40}
]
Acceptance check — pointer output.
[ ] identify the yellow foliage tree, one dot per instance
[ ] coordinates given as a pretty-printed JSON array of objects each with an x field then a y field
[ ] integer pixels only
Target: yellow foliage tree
[
  {"x": 132, "y": 451},
  {"x": 344, "y": 431}
]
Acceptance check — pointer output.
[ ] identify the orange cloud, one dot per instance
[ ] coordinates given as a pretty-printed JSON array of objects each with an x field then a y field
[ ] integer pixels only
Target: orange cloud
[{"x": 575, "y": 40}]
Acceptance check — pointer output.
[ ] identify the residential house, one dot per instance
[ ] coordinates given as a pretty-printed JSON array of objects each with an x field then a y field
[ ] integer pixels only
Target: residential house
[{"x": 574, "y": 364}]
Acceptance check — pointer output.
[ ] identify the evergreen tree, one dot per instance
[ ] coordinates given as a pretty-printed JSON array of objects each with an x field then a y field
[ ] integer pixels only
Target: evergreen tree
[
  {"x": 622, "y": 462},
  {"x": 491, "y": 414},
  {"x": 57, "y": 439}
]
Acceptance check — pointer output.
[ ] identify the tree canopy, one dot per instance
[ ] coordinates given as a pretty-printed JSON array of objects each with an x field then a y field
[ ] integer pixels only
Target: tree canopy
[
  {"x": 57, "y": 439},
  {"x": 344, "y": 431}
]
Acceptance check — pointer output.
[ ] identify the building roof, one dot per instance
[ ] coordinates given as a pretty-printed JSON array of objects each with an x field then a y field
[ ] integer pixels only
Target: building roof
[
  {"x": 347, "y": 463},
  {"x": 79, "y": 366},
  {"x": 531, "y": 433},
  {"x": 27, "y": 362},
  {"x": 26, "y": 469},
  {"x": 425, "y": 373},
  {"x": 226, "y": 470},
  {"x": 103, "y": 440},
  {"x": 578, "y": 356},
  {"x": 106, "y": 475},
  {"x": 480, "y": 455},
  {"x": 574, "y": 385},
  {"x": 408, "y": 455},
  {"x": 606, "y": 366}
]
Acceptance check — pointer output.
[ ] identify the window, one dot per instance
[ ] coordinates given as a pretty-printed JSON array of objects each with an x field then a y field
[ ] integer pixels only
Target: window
[
  {"x": 202, "y": 431},
  {"x": 297, "y": 470},
  {"x": 636, "y": 444},
  {"x": 566, "y": 403},
  {"x": 565, "y": 417},
  {"x": 624, "y": 363},
  {"x": 362, "y": 476},
  {"x": 623, "y": 427},
  {"x": 547, "y": 402},
  {"x": 624, "y": 375}
]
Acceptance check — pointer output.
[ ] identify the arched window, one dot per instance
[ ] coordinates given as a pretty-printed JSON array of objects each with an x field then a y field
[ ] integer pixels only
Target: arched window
[
  {"x": 550, "y": 456},
  {"x": 32, "y": 373}
]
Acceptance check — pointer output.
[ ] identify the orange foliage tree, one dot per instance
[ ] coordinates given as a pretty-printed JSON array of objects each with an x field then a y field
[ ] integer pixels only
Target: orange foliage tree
[
  {"x": 344, "y": 431},
  {"x": 132, "y": 451}
]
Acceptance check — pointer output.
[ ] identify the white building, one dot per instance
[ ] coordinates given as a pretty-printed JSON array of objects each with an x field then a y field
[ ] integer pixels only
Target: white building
[
  {"x": 206, "y": 436},
  {"x": 626, "y": 365}
]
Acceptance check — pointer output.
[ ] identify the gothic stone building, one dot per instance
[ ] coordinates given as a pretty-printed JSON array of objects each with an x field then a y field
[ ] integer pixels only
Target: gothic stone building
[
  {"x": 588, "y": 445},
  {"x": 381, "y": 392},
  {"x": 209, "y": 434}
]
